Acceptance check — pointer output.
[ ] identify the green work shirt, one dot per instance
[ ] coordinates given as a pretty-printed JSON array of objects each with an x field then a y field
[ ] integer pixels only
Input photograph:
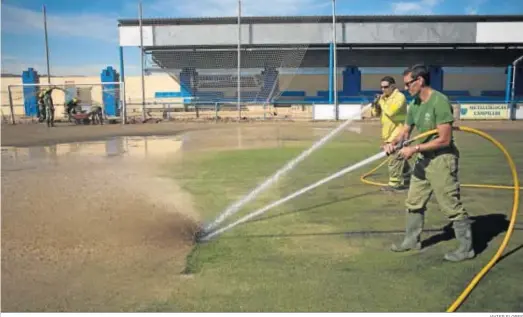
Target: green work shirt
[{"x": 428, "y": 115}]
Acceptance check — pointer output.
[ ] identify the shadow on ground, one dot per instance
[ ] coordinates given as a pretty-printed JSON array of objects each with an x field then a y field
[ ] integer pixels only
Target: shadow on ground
[{"x": 484, "y": 229}]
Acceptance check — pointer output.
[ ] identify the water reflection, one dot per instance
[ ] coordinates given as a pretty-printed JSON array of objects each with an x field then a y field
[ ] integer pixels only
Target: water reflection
[
  {"x": 142, "y": 147},
  {"x": 139, "y": 147}
]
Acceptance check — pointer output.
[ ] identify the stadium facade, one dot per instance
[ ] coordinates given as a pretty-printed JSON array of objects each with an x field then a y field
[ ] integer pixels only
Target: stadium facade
[{"x": 290, "y": 59}]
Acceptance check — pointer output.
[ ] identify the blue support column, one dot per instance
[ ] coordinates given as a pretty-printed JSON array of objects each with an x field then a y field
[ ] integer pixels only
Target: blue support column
[
  {"x": 351, "y": 81},
  {"x": 110, "y": 93},
  {"x": 331, "y": 72},
  {"x": 508, "y": 84},
  {"x": 436, "y": 77},
  {"x": 30, "y": 76}
]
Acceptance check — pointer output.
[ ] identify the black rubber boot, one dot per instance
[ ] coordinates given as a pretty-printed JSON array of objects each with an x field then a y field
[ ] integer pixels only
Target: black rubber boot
[
  {"x": 463, "y": 231},
  {"x": 414, "y": 227}
]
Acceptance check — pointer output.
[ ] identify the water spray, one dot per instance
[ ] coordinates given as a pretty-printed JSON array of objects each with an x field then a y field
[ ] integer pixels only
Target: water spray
[
  {"x": 232, "y": 209},
  {"x": 260, "y": 211},
  {"x": 495, "y": 259}
]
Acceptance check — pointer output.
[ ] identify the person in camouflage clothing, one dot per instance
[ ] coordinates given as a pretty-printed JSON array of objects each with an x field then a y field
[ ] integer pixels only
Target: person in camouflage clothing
[
  {"x": 41, "y": 106},
  {"x": 96, "y": 115},
  {"x": 72, "y": 107},
  {"x": 48, "y": 104}
]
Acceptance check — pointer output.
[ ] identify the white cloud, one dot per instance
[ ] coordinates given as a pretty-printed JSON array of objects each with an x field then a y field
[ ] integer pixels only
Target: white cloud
[
  {"x": 218, "y": 8},
  {"x": 16, "y": 20},
  {"x": 474, "y": 6},
  {"x": 415, "y": 7}
]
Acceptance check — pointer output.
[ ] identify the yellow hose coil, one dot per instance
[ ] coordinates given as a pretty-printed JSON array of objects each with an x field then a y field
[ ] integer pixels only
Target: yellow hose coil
[{"x": 461, "y": 298}]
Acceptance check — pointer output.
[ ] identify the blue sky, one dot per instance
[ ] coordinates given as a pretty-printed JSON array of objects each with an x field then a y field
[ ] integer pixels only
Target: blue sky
[{"x": 83, "y": 34}]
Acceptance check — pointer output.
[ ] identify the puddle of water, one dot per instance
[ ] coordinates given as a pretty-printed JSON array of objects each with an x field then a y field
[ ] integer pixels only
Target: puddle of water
[
  {"x": 158, "y": 146},
  {"x": 137, "y": 147}
]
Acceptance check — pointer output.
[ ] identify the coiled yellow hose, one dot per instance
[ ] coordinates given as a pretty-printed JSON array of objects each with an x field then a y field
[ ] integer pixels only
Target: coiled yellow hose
[{"x": 461, "y": 298}]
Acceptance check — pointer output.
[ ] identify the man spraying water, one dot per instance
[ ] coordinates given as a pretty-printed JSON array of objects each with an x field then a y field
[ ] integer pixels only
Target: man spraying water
[
  {"x": 436, "y": 167},
  {"x": 391, "y": 107}
]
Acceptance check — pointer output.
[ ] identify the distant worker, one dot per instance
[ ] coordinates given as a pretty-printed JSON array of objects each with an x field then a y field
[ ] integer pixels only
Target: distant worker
[
  {"x": 96, "y": 115},
  {"x": 49, "y": 106},
  {"x": 72, "y": 107},
  {"x": 41, "y": 106},
  {"x": 391, "y": 106},
  {"x": 436, "y": 168}
]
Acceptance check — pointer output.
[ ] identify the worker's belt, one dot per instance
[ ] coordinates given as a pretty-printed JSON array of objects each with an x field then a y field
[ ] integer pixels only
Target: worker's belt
[{"x": 446, "y": 150}]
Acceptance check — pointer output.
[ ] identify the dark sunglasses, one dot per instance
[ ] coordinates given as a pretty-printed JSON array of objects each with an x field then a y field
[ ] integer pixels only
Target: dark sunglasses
[
  {"x": 407, "y": 84},
  {"x": 385, "y": 87}
]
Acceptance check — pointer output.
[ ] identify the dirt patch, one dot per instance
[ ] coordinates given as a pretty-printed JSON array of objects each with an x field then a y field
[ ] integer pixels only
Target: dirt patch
[{"x": 91, "y": 234}]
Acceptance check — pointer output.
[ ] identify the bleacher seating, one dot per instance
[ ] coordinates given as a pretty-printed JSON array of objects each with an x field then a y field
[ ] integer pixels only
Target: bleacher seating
[
  {"x": 316, "y": 99},
  {"x": 477, "y": 99},
  {"x": 170, "y": 94},
  {"x": 370, "y": 93},
  {"x": 293, "y": 93},
  {"x": 289, "y": 97},
  {"x": 493, "y": 93},
  {"x": 226, "y": 81},
  {"x": 457, "y": 93}
]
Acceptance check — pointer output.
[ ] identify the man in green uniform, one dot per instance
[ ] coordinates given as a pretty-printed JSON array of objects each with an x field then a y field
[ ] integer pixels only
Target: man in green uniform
[
  {"x": 49, "y": 106},
  {"x": 41, "y": 106},
  {"x": 436, "y": 167}
]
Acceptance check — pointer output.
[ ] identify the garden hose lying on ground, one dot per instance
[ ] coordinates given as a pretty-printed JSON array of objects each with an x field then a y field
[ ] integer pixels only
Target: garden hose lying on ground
[{"x": 515, "y": 206}]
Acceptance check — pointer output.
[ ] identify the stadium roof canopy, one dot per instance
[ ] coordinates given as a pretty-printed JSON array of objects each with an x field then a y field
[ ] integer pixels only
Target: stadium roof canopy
[{"x": 367, "y": 41}]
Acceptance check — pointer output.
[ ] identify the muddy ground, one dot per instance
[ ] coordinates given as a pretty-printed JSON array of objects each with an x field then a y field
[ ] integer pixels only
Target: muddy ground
[
  {"x": 83, "y": 230},
  {"x": 90, "y": 233}
]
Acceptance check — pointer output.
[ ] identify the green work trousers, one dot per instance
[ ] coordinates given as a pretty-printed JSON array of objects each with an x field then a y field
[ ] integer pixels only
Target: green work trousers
[
  {"x": 399, "y": 169},
  {"x": 49, "y": 110},
  {"x": 438, "y": 175}
]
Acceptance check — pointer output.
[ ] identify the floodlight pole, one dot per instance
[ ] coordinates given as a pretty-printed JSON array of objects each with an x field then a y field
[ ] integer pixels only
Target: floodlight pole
[
  {"x": 11, "y": 106},
  {"x": 335, "y": 63},
  {"x": 238, "y": 83},
  {"x": 142, "y": 60},
  {"x": 46, "y": 45},
  {"x": 514, "y": 65}
]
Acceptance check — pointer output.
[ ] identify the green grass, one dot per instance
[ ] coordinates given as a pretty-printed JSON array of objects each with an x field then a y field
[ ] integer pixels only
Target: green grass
[{"x": 327, "y": 250}]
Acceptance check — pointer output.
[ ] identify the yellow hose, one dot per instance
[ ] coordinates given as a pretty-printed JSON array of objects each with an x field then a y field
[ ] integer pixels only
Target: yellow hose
[{"x": 515, "y": 206}]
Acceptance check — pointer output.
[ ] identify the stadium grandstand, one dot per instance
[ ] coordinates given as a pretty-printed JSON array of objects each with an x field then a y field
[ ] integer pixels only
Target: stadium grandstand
[
  {"x": 294, "y": 66},
  {"x": 293, "y": 60}
]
